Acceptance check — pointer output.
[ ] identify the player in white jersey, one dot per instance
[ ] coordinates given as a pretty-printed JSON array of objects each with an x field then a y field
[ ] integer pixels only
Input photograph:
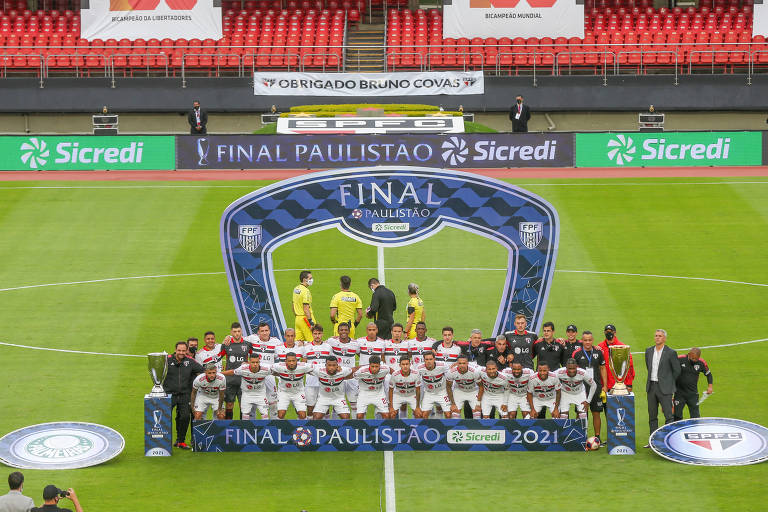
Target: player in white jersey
[
  {"x": 397, "y": 347},
  {"x": 544, "y": 393},
  {"x": 434, "y": 388},
  {"x": 331, "y": 378},
  {"x": 493, "y": 389},
  {"x": 208, "y": 392},
  {"x": 517, "y": 390},
  {"x": 404, "y": 390},
  {"x": 420, "y": 344},
  {"x": 370, "y": 344},
  {"x": 265, "y": 344},
  {"x": 254, "y": 376},
  {"x": 211, "y": 352},
  {"x": 572, "y": 380},
  {"x": 371, "y": 379},
  {"x": 345, "y": 349},
  {"x": 315, "y": 354},
  {"x": 289, "y": 345},
  {"x": 465, "y": 388},
  {"x": 290, "y": 386},
  {"x": 446, "y": 351}
]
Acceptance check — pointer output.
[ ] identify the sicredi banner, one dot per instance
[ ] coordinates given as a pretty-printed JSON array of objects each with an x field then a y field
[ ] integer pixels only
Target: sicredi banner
[
  {"x": 667, "y": 149},
  {"x": 513, "y": 18},
  {"x": 338, "y": 151},
  {"x": 86, "y": 153},
  {"x": 369, "y": 84},
  {"x": 146, "y": 19},
  {"x": 395, "y": 435},
  {"x": 446, "y": 124}
]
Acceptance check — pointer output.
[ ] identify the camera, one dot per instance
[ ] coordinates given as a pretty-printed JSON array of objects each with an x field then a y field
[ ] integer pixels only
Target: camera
[{"x": 64, "y": 494}]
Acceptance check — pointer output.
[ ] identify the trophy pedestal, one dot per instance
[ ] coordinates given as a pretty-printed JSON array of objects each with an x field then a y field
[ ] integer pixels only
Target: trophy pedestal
[
  {"x": 158, "y": 433},
  {"x": 620, "y": 411}
]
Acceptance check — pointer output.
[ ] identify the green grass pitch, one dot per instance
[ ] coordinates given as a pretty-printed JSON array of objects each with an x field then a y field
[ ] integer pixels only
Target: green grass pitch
[{"x": 88, "y": 231}]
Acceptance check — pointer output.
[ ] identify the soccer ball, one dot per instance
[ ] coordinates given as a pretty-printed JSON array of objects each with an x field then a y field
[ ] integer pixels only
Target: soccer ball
[
  {"x": 593, "y": 443},
  {"x": 302, "y": 436}
]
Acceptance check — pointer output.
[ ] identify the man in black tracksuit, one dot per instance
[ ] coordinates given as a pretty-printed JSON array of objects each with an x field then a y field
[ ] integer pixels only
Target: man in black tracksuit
[
  {"x": 687, "y": 393},
  {"x": 182, "y": 370}
]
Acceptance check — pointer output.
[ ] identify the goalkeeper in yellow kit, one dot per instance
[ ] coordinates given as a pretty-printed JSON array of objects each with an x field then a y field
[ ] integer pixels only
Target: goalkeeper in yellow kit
[{"x": 302, "y": 307}]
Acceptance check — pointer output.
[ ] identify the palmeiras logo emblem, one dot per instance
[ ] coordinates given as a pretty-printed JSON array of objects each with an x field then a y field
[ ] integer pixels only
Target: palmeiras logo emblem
[
  {"x": 531, "y": 234},
  {"x": 250, "y": 237}
]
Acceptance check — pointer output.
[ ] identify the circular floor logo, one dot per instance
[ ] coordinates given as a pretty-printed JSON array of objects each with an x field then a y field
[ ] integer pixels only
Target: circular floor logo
[
  {"x": 712, "y": 442},
  {"x": 67, "y": 445}
]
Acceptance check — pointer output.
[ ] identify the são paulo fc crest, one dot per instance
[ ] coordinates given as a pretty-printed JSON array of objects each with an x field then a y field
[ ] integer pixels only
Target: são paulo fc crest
[
  {"x": 531, "y": 234},
  {"x": 250, "y": 237}
]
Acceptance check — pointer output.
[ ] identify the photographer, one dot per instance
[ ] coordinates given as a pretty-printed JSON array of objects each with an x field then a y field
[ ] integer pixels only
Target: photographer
[{"x": 51, "y": 497}]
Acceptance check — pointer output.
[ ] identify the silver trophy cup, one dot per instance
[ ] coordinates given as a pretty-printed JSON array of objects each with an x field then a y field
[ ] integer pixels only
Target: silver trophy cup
[{"x": 158, "y": 369}]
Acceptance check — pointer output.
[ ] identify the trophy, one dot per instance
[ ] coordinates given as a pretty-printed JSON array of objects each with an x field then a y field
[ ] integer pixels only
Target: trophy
[
  {"x": 619, "y": 361},
  {"x": 158, "y": 369}
]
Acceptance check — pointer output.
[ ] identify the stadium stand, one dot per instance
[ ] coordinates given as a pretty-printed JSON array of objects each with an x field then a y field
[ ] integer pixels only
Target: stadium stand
[{"x": 621, "y": 36}]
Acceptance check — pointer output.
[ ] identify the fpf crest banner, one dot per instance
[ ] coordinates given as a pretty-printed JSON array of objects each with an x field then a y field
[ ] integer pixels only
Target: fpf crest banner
[
  {"x": 513, "y": 18},
  {"x": 147, "y": 19},
  {"x": 523, "y": 223}
]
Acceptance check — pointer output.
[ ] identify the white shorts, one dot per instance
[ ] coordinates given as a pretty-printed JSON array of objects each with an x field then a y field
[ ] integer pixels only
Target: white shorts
[
  {"x": 378, "y": 400},
  {"x": 351, "y": 389},
  {"x": 428, "y": 400},
  {"x": 567, "y": 399},
  {"x": 489, "y": 401},
  {"x": 538, "y": 404},
  {"x": 269, "y": 382},
  {"x": 311, "y": 393},
  {"x": 399, "y": 400},
  {"x": 460, "y": 396},
  {"x": 299, "y": 401},
  {"x": 202, "y": 403},
  {"x": 324, "y": 404},
  {"x": 518, "y": 401},
  {"x": 248, "y": 402}
]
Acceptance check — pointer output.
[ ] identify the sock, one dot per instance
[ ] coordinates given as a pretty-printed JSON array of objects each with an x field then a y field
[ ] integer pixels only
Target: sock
[
  {"x": 476, "y": 415},
  {"x": 353, "y": 409},
  {"x": 273, "y": 409},
  {"x": 245, "y": 416},
  {"x": 456, "y": 415},
  {"x": 229, "y": 414}
]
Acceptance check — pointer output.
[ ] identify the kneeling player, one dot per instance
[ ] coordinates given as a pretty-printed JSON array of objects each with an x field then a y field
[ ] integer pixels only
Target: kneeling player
[
  {"x": 371, "y": 383},
  {"x": 331, "y": 389},
  {"x": 208, "y": 392},
  {"x": 290, "y": 388},
  {"x": 572, "y": 381},
  {"x": 253, "y": 385},
  {"x": 517, "y": 390},
  {"x": 404, "y": 390},
  {"x": 544, "y": 393},
  {"x": 493, "y": 390},
  {"x": 465, "y": 390},
  {"x": 434, "y": 387}
]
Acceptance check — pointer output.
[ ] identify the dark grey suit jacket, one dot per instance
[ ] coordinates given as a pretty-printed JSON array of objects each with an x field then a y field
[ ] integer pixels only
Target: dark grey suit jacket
[{"x": 669, "y": 369}]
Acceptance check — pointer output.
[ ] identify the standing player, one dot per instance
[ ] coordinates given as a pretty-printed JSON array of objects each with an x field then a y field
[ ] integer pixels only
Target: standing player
[
  {"x": 521, "y": 342},
  {"x": 434, "y": 388},
  {"x": 415, "y": 310},
  {"x": 550, "y": 349},
  {"x": 420, "y": 344},
  {"x": 302, "y": 307},
  {"x": 687, "y": 393},
  {"x": 265, "y": 344},
  {"x": 404, "y": 390},
  {"x": 211, "y": 351},
  {"x": 517, "y": 387},
  {"x": 371, "y": 383},
  {"x": 254, "y": 376},
  {"x": 501, "y": 353},
  {"x": 396, "y": 348},
  {"x": 493, "y": 390},
  {"x": 572, "y": 382},
  {"x": 236, "y": 354},
  {"x": 208, "y": 392},
  {"x": 289, "y": 345},
  {"x": 290, "y": 388},
  {"x": 446, "y": 351},
  {"x": 315, "y": 354},
  {"x": 346, "y": 307},
  {"x": 331, "y": 379},
  {"x": 544, "y": 393},
  {"x": 572, "y": 341},
  {"x": 592, "y": 361},
  {"x": 465, "y": 390},
  {"x": 345, "y": 349},
  {"x": 370, "y": 344}
]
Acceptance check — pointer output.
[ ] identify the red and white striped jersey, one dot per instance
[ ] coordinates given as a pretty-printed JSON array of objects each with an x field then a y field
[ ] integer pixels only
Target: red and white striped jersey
[
  {"x": 493, "y": 385},
  {"x": 433, "y": 381},
  {"x": 331, "y": 386},
  {"x": 447, "y": 354},
  {"x": 405, "y": 385},
  {"x": 215, "y": 355},
  {"x": 371, "y": 382},
  {"x": 266, "y": 349},
  {"x": 369, "y": 348},
  {"x": 544, "y": 390},
  {"x": 290, "y": 381},
  {"x": 344, "y": 352},
  {"x": 281, "y": 351},
  {"x": 254, "y": 382},
  {"x": 316, "y": 356},
  {"x": 518, "y": 386},
  {"x": 393, "y": 351},
  {"x": 210, "y": 389},
  {"x": 575, "y": 385},
  {"x": 419, "y": 347},
  {"x": 466, "y": 381}
]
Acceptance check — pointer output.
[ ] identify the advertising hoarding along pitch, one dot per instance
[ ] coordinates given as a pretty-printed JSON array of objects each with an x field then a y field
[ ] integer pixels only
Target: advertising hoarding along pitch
[{"x": 447, "y": 124}]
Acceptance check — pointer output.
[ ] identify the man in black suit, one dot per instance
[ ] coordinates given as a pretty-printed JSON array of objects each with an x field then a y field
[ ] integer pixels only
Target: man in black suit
[
  {"x": 519, "y": 114},
  {"x": 383, "y": 305},
  {"x": 663, "y": 371},
  {"x": 197, "y": 119}
]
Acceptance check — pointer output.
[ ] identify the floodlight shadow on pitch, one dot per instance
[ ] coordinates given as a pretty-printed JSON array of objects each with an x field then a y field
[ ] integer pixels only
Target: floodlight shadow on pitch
[{"x": 388, "y": 206}]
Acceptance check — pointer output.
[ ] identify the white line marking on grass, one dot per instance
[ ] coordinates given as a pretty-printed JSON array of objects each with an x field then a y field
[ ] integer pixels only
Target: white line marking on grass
[
  {"x": 662, "y": 276},
  {"x": 640, "y": 184},
  {"x": 106, "y": 280},
  {"x": 380, "y": 264},
  {"x": 389, "y": 481},
  {"x": 70, "y": 351},
  {"x": 718, "y": 346}
]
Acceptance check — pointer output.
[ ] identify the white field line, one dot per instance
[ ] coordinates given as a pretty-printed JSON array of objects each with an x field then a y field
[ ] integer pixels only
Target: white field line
[{"x": 389, "y": 482}]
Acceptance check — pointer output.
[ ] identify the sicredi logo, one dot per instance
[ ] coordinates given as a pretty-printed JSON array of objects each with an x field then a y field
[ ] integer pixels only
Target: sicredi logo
[
  {"x": 622, "y": 150},
  {"x": 456, "y": 151},
  {"x": 36, "y": 155},
  {"x": 455, "y": 436}
]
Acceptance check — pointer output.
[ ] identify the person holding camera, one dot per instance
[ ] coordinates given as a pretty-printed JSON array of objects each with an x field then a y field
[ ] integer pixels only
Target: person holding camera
[
  {"x": 14, "y": 501},
  {"x": 51, "y": 497}
]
